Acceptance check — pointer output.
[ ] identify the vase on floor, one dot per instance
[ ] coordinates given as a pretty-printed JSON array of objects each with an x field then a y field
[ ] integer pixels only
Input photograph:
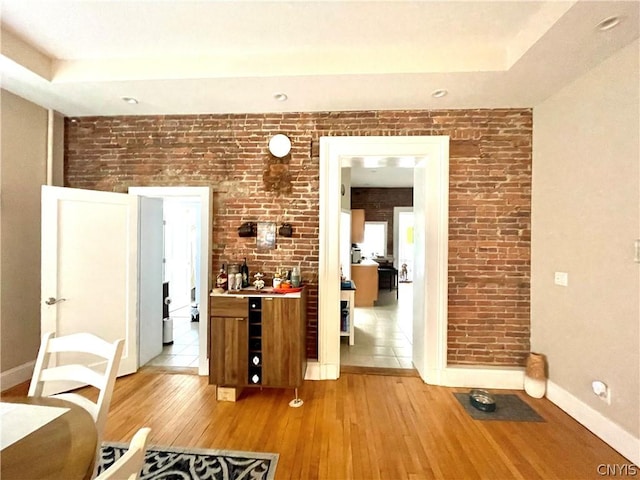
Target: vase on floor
[{"x": 535, "y": 375}]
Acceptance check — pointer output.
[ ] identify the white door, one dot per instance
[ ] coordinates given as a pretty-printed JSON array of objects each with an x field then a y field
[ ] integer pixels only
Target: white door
[
  {"x": 150, "y": 279},
  {"x": 90, "y": 266}
]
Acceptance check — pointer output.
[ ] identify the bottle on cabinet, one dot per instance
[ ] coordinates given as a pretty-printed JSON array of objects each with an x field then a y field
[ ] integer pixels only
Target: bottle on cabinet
[
  {"x": 222, "y": 279},
  {"x": 244, "y": 270}
]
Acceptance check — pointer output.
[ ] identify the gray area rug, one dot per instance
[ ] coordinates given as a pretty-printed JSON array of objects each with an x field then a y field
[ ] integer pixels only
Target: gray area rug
[
  {"x": 171, "y": 463},
  {"x": 509, "y": 407}
]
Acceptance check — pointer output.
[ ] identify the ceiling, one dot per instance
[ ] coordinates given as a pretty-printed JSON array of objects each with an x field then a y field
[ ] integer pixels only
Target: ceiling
[{"x": 81, "y": 57}]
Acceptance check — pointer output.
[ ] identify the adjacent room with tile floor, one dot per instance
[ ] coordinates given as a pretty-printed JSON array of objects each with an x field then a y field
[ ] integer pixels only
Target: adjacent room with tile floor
[
  {"x": 383, "y": 333},
  {"x": 184, "y": 350}
]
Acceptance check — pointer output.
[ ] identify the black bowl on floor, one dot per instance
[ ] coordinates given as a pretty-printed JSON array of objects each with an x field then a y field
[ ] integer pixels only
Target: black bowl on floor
[{"x": 482, "y": 400}]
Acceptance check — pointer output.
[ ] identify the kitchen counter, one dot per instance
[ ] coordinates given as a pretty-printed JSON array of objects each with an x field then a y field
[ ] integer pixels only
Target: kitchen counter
[
  {"x": 366, "y": 262},
  {"x": 365, "y": 275}
]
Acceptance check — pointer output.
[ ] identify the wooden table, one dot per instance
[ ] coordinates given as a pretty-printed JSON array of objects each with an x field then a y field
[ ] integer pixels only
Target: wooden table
[{"x": 64, "y": 448}]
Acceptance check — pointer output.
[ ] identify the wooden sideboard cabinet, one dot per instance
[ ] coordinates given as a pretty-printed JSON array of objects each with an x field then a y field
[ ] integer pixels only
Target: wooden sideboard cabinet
[
  {"x": 258, "y": 340},
  {"x": 229, "y": 341}
]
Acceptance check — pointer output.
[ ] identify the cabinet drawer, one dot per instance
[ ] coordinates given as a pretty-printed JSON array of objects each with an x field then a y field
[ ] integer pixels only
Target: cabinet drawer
[{"x": 229, "y": 306}]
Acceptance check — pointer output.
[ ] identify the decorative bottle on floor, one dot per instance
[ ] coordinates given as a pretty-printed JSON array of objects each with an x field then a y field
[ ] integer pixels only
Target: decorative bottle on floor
[{"x": 535, "y": 376}]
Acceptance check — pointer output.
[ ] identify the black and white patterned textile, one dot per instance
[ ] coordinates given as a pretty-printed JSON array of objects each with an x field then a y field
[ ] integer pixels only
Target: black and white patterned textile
[{"x": 171, "y": 463}]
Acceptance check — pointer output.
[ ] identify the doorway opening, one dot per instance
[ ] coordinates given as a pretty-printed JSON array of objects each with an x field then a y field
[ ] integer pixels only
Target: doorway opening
[
  {"x": 186, "y": 249},
  {"x": 383, "y": 330},
  {"x": 429, "y": 156},
  {"x": 180, "y": 272}
]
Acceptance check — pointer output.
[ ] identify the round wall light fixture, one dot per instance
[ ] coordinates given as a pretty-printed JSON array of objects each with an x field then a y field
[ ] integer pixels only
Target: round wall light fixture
[{"x": 279, "y": 145}]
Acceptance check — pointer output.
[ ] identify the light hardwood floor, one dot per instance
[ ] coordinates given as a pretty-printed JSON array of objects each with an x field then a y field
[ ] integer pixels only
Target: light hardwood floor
[{"x": 362, "y": 426}]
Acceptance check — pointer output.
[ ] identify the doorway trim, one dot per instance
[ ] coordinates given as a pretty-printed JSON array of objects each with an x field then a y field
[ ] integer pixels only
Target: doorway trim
[
  {"x": 205, "y": 198},
  {"x": 431, "y": 157},
  {"x": 433, "y": 153}
]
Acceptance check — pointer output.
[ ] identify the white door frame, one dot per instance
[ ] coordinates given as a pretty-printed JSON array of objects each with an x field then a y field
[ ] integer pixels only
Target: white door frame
[
  {"x": 335, "y": 153},
  {"x": 204, "y": 196},
  {"x": 430, "y": 153}
]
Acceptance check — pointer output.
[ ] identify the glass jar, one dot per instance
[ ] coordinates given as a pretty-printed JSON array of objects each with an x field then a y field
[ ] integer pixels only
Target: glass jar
[{"x": 296, "y": 279}]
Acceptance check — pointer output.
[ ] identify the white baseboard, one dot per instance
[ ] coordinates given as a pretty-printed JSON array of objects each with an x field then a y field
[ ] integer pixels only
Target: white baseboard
[
  {"x": 611, "y": 433},
  {"x": 318, "y": 371},
  {"x": 511, "y": 378},
  {"x": 16, "y": 375}
]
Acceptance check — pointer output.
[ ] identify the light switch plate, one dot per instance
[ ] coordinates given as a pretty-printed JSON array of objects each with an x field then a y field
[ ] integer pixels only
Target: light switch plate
[{"x": 561, "y": 278}]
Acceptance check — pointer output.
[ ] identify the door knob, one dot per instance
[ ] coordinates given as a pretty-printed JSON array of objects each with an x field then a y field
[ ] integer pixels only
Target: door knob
[{"x": 53, "y": 301}]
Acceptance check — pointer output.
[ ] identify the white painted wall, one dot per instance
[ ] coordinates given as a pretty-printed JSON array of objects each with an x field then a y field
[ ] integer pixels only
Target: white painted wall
[{"x": 585, "y": 218}]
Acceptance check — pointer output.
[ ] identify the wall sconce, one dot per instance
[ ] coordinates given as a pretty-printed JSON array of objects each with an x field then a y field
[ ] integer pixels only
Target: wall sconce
[{"x": 279, "y": 145}]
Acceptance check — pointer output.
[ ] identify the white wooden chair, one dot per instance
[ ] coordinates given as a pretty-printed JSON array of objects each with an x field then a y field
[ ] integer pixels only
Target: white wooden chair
[
  {"x": 129, "y": 465},
  {"x": 48, "y": 380}
]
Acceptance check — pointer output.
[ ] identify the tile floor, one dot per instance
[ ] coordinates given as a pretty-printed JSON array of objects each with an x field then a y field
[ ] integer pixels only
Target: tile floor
[
  {"x": 383, "y": 332},
  {"x": 184, "y": 350}
]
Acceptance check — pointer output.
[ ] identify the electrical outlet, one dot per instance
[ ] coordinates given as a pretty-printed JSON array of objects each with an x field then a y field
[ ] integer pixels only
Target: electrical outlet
[
  {"x": 602, "y": 390},
  {"x": 561, "y": 278}
]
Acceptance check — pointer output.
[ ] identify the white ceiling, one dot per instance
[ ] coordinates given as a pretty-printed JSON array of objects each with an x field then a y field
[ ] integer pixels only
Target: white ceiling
[{"x": 80, "y": 57}]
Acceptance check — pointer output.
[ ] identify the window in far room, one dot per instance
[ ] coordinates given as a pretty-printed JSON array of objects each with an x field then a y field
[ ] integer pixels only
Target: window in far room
[{"x": 375, "y": 240}]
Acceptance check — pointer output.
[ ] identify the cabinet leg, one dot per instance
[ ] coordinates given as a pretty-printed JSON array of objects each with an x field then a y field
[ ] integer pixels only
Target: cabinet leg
[{"x": 296, "y": 402}]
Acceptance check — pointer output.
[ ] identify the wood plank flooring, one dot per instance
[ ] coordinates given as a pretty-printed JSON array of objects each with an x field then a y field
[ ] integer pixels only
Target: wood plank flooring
[{"x": 362, "y": 426}]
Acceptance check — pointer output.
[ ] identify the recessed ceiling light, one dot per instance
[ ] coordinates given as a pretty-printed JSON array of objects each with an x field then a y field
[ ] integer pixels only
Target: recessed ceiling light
[
  {"x": 131, "y": 100},
  {"x": 280, "y": 97},
  {"x": 608, "y": 23},
  {"x": 441, "y": 92}
]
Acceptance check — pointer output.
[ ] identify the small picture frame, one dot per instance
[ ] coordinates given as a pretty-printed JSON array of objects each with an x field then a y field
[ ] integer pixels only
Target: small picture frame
[{"x": 266, "y": 235}]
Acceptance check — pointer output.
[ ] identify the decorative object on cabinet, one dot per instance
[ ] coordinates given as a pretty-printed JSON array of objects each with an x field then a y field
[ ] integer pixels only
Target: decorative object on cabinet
[
  {"x": 279, "y": 145},
  {"x": 296, "y": 277},
  {"x": 259, "y": 282},
  {"x": 247, "y": 229},
  {"x": 266, "y": 235},
  {"x": 285, "y": 230}
]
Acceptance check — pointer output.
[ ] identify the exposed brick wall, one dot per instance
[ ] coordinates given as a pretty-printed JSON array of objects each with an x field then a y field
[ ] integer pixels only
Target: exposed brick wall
[
  {"x": 490, "y": 183},
  {"x": 378, "y": 205}
]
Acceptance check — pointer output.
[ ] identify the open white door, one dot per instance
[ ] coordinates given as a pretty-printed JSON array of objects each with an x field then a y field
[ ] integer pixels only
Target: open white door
[
  {"x": 150, "y": 256},
  {"x": 90, "y": 266}
]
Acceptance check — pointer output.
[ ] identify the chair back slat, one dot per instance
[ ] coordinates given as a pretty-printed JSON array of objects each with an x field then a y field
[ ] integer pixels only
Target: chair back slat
[
  {"x": 77, "y": 373},
  {"x": 71, "y": 376},
  {"x": 129, "y": 465}
]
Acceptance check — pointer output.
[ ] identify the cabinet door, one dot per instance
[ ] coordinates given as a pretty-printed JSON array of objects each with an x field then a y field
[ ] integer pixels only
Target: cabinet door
[
  {"x": 229, "y": 352},
  {"x": 282, "y": 344},
  {"x": 357, "y": 226}
]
